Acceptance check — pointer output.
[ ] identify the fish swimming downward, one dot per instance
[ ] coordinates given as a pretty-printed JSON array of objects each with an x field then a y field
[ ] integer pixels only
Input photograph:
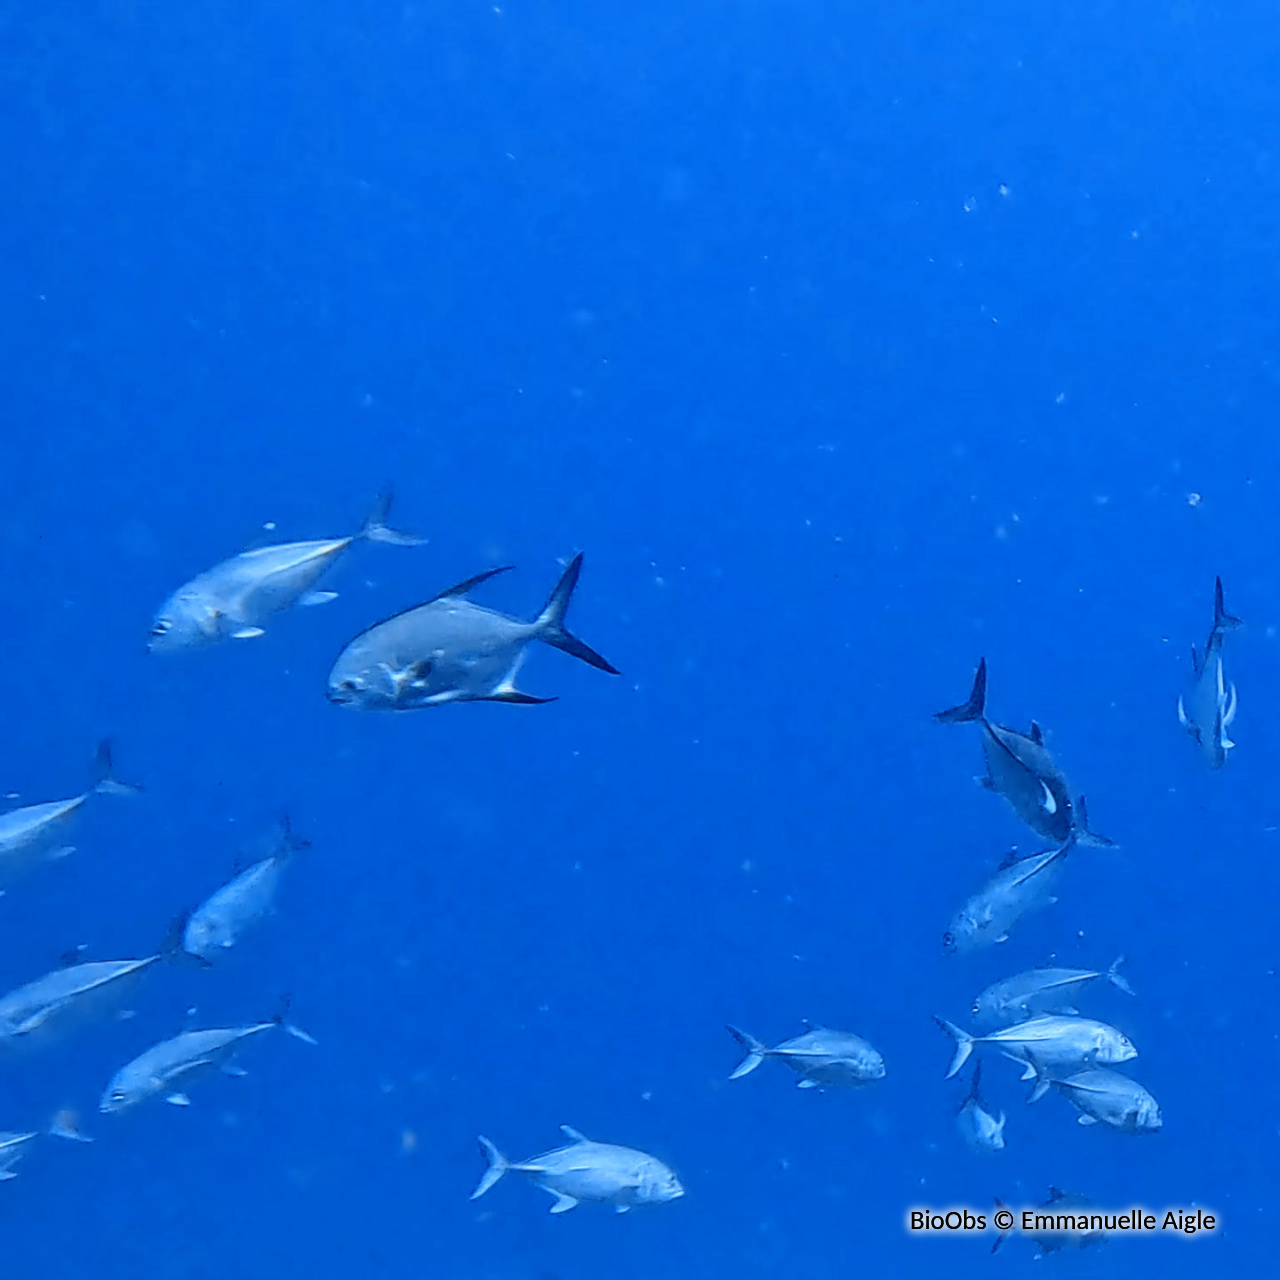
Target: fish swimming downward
[
  {"x": 982, "y": 1131},
  {"x": 236, "y": 598},
  {"x": 586, "y": 1171},
  {"x": 1208, "y": 706},
  {"x": 1022, "y": 770},
  {"x": 451, "y": 650}
]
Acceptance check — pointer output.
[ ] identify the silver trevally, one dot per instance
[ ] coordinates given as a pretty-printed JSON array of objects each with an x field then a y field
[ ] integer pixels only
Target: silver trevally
[
  {"x": 1021, "y": 769},
  {"x": 217, "y": 924},
  {"x": 981, "y": 1131},
  {"x": 1056, "y": 1043},
  {"x": 66, "y": 998},
  {"x": 37, "y": 832},
  {"x": 819, "y": 1057},
  {"x": 1066, "y": 1211},
  {"x": 13, "y": 1146},
  {"x": 1208, "y": 707},
  {"x": 235, "y": 599},
  {"x": 1020, "y": 886},
  {"x": 167, "y": 1069},
  {"x": 450, "y": 650},
  {"x": 1102, "y": 1096},
  {"x": 596, "y": 1172},
  {"x": 1047, "y": 990}
]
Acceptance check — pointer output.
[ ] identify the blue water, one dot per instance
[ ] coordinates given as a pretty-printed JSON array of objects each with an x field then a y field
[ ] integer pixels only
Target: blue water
[{"x": 848, "y": 347}]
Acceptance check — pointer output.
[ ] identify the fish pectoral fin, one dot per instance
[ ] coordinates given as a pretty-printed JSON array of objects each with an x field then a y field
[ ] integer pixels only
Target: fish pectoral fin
[
  {"x": 622, "y": 1208},
  {"x": 7, "y": 1175},
  {"x": 178, "y": 1100},
  {"x": 1182, "y": 716},
  {"x": 317, "y": 597},
  {"x": 63, "y": 851},
  {"x": 563, "y": 1202},
  {"x": 515, "y": 697},
  {"x": 248, "y": 633},
  {"x": 1230, "y": 713},
  {"x": 807, "y": 1084},
  {"x": 1087, "y": 1120}
]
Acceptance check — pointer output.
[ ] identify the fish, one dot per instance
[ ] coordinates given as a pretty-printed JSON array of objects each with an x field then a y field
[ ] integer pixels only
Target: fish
[
  {"x": 820, "y": 1057},
  {"x": 981, "y": 1131},
  {"x": 37, "y": 833},
  {"x": 1101, "y": 1096},
  {"x": 168, "y": 1069},
  {"x": 218, "y": 923},
  {"x": 587, "y": 1171},
  {"x": 1020, "y": 886},
  {"x": 1056, "y": 1042},
  {"x": 65, "y": 998},
  {"x": 1052, "y": 1239},
  {"x": 237, "y": 598},
  {"x": 450, "y": 650},
  {"x": 1047, "y": 990},
  {"x": 1208, "y": 707},
  {"x": 1022, "y": 770},
  {"x": 13, "y": 1146}
]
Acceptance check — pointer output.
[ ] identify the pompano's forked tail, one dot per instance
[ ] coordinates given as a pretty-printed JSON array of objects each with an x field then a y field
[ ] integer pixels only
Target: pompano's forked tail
[
  {"x": 1117, "y": 979},
  {"x": 552, "y": 630},
  {"x": 498, "y": 1165},
  {"x": 1222, "y": 620},
  {"x": 976, "y": 705},
  {"x": 376, "y": 529},
  {"x": 755, "y": 1050},
  {"x": 105, "y": 783},
  {"x": 1081, "y": 834},
  {"x": 964, "y": 1044}
]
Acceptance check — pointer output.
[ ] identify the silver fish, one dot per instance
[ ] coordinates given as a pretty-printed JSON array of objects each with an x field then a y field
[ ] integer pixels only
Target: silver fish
[
  {"x": 13, "y": 1146},
  {"x": 1021, "y": 769},
  {"x": 66, "y": 998},
  {"x": 1020, "y": 886},
  {"x": 235, "y": 599},
  {"x": 450, "y": 650},
  {"x": 1038, "y": 991},
  {"x": 1056, "y": 1042},
  {"x": 596, "y": 1172},
  {"x": 819, "y": 1057},
  {"x": 167, "y": 1069},
  {"x": 218, "y": 923},
  {"x": 1051, "y": 1239},
  {"x": 1208, "y": 707},
  {"x": 981, "y": 1131},
  {"x": 37, "y": 832},
  {"x": 1102, "y": 1096}
]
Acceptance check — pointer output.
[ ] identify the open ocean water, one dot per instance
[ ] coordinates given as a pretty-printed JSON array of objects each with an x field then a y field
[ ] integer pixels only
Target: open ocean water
[{"x": 850, "y": 344}]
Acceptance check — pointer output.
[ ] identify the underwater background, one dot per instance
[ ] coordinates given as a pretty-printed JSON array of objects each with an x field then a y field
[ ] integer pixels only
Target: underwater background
[{"x": 850, "y": 344}]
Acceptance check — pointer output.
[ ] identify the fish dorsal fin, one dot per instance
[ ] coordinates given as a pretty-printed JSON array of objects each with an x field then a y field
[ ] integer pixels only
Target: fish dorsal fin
[
  {"x": 73, "y": 956},
  {"x": 574, "y": 1135},
  {"x": 1037, "y": 734},
  {"x": 470, "y": 584},
  {"x": 1009, "y": 859},
  {"x": 1056, "y": 1194},
  {"x": 1195, "y": 660}
]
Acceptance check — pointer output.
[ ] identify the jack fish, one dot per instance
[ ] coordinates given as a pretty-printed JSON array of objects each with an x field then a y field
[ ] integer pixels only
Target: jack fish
[
  {"x": 1102, "y": 1096},
  {"x": 450, "y": 650},
  {"x": 37, "y": 832},
  {"x": 1054, "y": 1042},
  {"x": 1026, "y": 995},
  {"x": 235, "y": 599},
  {"x": 1020, "y": 886},
  {"x": 1208, "y": 707},
  {"x": 819, "y": 1057},
  {"x": 596, "y": 1172},
  {"x": 1021, "y": 769},
  {"x": 982, "y": 1131}
]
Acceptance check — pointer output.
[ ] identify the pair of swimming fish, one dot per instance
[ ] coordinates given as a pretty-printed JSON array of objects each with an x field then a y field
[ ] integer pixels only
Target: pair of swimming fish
[{"x": 448, "y": 649}]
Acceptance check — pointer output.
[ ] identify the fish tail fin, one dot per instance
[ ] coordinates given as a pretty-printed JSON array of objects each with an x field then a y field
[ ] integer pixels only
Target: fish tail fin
[
  {"x": 755, "y": 1050},
  {"x": 1117, "y": 979},
  {"x": 1083, "y": 836},
  {"x": 976, "y": 705},
  {"x": 105, "y": 783},
  {"x": 376, "y": 529},
  {"x": 281, "y": 1019},
  {"x": 551, "y": 626},
  {"x": 66, "y": 1124},
  {"x": 1004, "y": 1235},
  {"x": 287, "y": 840},
  {"x": 498, "y": 1165},
  {"x": 964, "y": 1044},
  {"x": 1222, "y": 620}
]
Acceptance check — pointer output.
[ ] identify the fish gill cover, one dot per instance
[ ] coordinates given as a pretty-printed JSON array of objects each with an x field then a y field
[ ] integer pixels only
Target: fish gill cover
[{"x": 849, "y": 345}]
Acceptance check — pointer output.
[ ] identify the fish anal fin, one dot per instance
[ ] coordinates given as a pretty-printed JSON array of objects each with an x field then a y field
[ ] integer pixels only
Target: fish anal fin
[{"x": 563, "y": 1202}]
